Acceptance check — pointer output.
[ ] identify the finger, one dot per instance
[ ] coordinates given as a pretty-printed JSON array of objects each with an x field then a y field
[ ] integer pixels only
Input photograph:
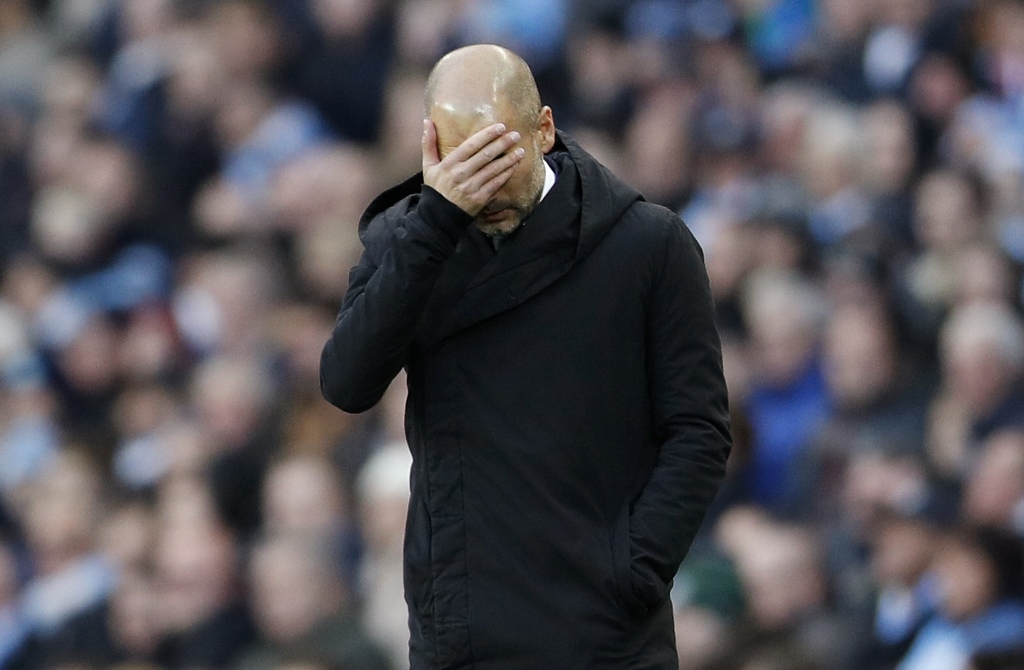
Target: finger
[
  {"x": 496, "y": 182},
  {"x": 431, "y": 156},
  {"x": 490, "y": 152},
  {"x": 475, "y": 143},
  {"x": 495, "y": 167}
]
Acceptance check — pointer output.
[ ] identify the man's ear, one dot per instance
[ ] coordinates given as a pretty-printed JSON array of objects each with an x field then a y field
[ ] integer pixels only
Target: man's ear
[{"x": 546, "y": 129}]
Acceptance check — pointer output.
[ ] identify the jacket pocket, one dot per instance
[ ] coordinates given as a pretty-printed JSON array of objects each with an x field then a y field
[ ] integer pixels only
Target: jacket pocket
[{"x": 622, "y": 563}]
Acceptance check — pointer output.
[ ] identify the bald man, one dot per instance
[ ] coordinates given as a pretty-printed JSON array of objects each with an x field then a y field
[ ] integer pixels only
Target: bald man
[{"x": 567, "y": 411}]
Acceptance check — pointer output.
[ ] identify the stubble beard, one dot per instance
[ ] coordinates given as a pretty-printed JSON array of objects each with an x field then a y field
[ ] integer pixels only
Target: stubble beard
[{"x": 520, "y": 210}]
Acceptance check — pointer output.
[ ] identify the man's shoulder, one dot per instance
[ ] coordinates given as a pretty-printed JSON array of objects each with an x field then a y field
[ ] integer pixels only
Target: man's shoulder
[
  {"x": 389, "y": 209},
  {"x": 653, "y": 224},
  {"x": 377, "y": 227},
  {"x": 652, "y": 215}
]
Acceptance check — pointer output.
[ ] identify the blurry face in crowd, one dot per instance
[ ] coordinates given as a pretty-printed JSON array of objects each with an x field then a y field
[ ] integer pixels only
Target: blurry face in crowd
[
  {"x": 902, "y": 551},
  {"x": 967, "y": 580},
  {"x": 891, "y": 147},
  {"x": 293, "y": 589},
  {"x": 783, "y": 313},
  {"x": 906, "y": 13},
  {"x": 978, "y": 375},
  {"x": 185, "y": 502},
  {"x": 874, "y": 481},
  {"x": 230, "y": 396},
  {"x": 1005, "y": 29},
  {"x": 859, "y": 358},
  {"x": 303, "y": 494},
  {"x": 945, "y": 211},
  {"x": 384, "y": 522},
  {"x": 90, "y": 362},
  {"x": 831, "y": 143},
  {"x": 783, "y": 578},
  {"x": 149, "y": 346},
  {"x": 520, "y": 194},
  {"x": 657, "y": 146},
  {"x": 938, "y": 87},
  {"x": 344, "y": 18},
  {"x": 783, "y": 347},
  {"x": 985, "y": 275},
  {"x": 196, "y": 571},
  {"x": 62, "y": 512},
  {"x": 846, "y": 19},
  {"x": 247, "y": 39},
  {"x": 325, "y": 186},
  {"x": 729, "y": 254},
  {"x": 995, "y": 488}
]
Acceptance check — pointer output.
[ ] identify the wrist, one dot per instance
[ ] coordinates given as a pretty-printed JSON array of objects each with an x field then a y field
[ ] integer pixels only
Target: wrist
[{"x": 438, "y": 211}]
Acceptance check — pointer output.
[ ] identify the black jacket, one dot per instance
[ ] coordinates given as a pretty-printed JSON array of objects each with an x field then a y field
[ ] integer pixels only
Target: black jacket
[{"x": 567, "y": 417}]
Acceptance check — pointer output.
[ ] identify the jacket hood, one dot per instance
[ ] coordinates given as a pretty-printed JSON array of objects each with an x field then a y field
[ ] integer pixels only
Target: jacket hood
[{"x": 605, "y": 197}]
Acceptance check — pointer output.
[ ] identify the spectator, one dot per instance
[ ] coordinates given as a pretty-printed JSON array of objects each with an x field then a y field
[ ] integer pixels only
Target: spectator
[
  {"x": 983, "y": 357},
  {"x": 71, "y": 579},
  {"x": 905, "y": 543},
  {"x": 202, "y": 619},
  {"x": 945, "y": 219},
  {"x": 784, "y": 578},
  {"x": 300, "y": 605},
  {"x": 985, "y": 275},
  {"x": 980, "y": 573},
  {"x": 994, "y": 493},
  {"x": 839, "y": 210},
  {"x": 788, "y": 402},
  {"x": 888, "y": 170},
  {"x": 233, "y": 397},
  {"x": 869, "y": 384},
  {"x": 304, "y": 495}
]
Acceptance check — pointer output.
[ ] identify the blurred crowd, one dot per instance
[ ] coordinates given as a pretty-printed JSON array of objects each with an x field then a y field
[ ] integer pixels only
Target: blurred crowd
[{"x": 180, "y": 185}]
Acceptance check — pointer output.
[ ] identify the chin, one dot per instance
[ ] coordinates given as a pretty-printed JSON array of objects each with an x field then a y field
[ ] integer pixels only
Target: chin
[{"x": 500, "y": 227}]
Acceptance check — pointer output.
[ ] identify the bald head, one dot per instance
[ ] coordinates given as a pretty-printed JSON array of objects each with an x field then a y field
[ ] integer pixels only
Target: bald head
[
  {"x": 481, "y": 83},
  {"x": 479, "y": 86}
]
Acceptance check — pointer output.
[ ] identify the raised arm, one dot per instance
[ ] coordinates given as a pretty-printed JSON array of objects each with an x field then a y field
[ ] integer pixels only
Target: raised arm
[{"x": 388, "y": 289}]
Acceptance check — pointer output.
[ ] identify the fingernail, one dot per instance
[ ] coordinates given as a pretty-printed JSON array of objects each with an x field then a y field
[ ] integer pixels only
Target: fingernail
[
  {"x": 425, "y": 122},
  {"x": 514, "y": 136},
  {"x": 501, "y": 128},
  {"x": 520, "y": 152}
]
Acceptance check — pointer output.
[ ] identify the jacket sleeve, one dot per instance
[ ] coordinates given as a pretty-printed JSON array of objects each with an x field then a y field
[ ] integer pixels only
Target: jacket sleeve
[
  {"x": 690, "y": 417},
  {"x": 386, "y": 296}
]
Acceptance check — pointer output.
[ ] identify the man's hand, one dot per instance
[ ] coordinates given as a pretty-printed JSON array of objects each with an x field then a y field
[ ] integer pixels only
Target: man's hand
[{"x": 475, "y": 170}]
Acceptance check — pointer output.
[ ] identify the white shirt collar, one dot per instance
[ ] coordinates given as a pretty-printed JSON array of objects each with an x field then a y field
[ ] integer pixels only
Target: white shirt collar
[{"x": 549, "y": 180}]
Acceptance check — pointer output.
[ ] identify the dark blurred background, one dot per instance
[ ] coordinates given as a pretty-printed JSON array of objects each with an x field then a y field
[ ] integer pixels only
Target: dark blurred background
[{"x": 180, "y": 184}]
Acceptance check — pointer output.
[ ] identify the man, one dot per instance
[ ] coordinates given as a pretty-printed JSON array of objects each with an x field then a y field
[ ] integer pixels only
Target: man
[
  {"x": 567, "y": 411},
  {"x": 301, "y": 603}
]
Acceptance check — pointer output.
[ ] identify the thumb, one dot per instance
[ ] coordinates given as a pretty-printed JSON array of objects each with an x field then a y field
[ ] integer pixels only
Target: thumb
[{"x": 430, "y": 153}]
